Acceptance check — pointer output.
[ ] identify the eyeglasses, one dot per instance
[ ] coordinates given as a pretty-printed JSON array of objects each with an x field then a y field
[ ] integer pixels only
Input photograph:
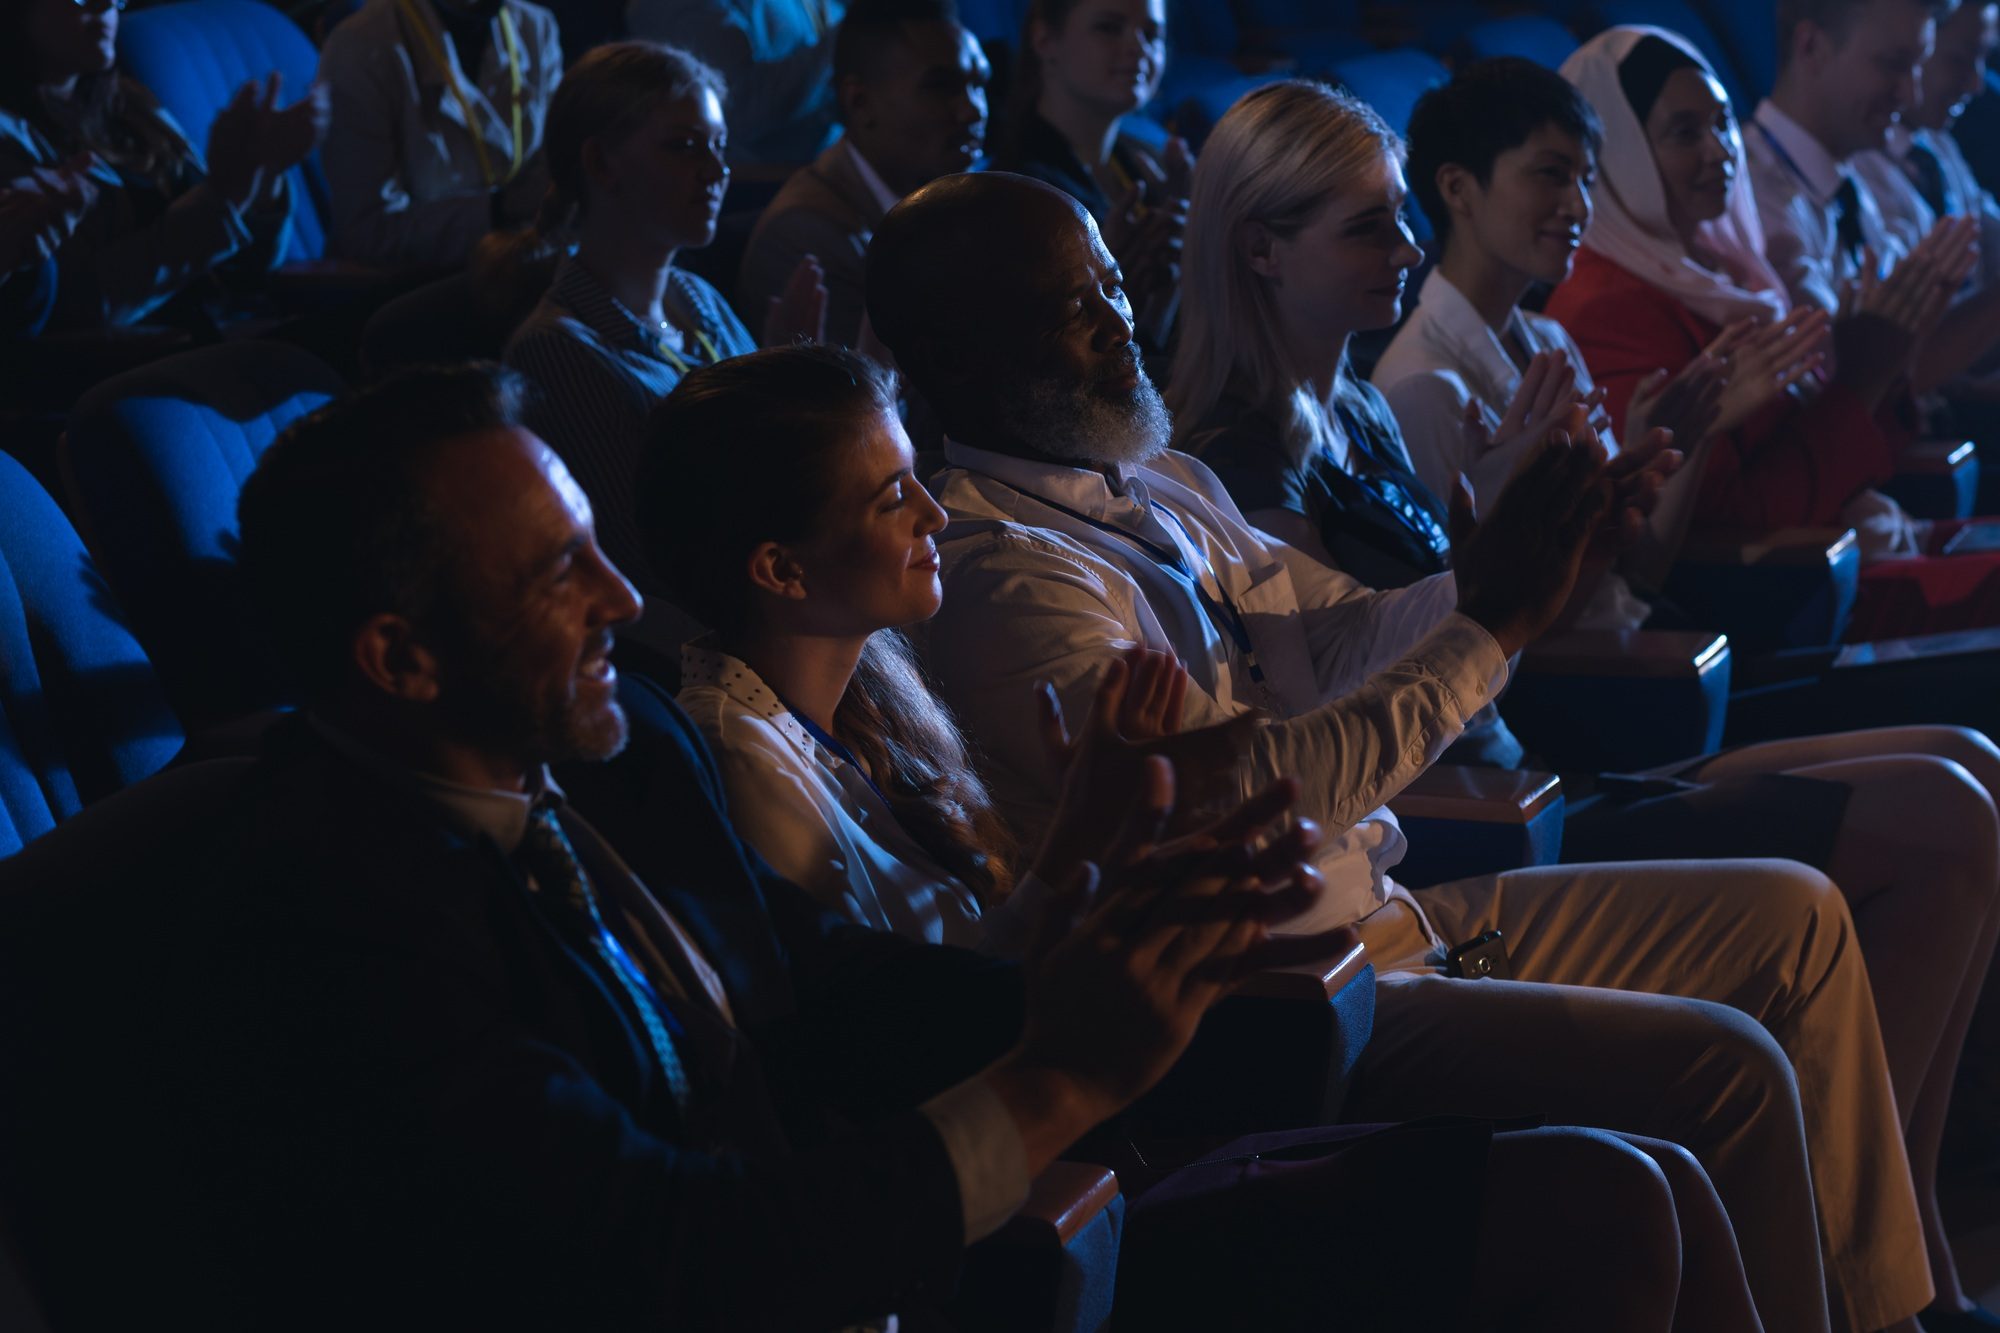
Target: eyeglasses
[{"x": 119, "y": 5}]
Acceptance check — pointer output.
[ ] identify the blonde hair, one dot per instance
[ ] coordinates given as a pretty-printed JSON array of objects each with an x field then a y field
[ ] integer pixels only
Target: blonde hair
[{"x": 1279, "y": 156}]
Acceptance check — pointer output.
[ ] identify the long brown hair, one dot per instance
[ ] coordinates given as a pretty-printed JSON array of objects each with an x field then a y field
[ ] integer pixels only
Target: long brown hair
[
  {"x": 605, "y": 96},
  {"x": 742, "y": 452}
]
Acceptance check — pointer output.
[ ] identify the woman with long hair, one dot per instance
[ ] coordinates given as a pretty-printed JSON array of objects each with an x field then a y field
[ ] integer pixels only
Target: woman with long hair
[
  {"x": 1295, "y": 244},
  {"x": 152, "y": 217},
  {"x": 636, "y": 149},
  {"x": 778, "y": 490}
]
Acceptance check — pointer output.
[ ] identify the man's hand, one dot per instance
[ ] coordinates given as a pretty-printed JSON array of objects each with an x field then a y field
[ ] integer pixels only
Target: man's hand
[
  {"x": 1135, "y": 714},
  {"x": 1516, "y": 568},
  {"x": 1122, "y": 974},
  {"x": 1884, "y": 319},
  {"x": 798, "y": 312}
]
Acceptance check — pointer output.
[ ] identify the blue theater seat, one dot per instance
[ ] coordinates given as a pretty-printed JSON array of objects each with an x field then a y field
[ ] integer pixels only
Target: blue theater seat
[
  {"x": 1749, "y": 32},
  {"x": 195, "y": 55},
  {"x": 1528, "y": 36},
  {"x": 81, "y": 712},
  {"x": 1678, "y": 16},
  {"x": 1391, "y": 82},
  {"x": 156, "y": 458}
]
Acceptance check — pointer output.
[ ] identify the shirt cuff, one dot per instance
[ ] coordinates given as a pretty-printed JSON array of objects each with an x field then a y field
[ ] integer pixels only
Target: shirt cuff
[
  {"x": 1467, "y": 659},
  {"x": 986, "y": 1155}
]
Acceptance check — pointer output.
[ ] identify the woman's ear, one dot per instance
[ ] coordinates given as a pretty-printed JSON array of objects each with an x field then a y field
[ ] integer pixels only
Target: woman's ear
[
  {"x": 775, "y": 570},
  {"x": 389, "y": 656},
  {"x": 1260, "y": 249}
]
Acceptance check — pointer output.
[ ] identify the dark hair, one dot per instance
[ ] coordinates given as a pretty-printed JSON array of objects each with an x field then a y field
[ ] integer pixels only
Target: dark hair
[
  {"x": 1836, "y": 16},
  {"x": 1024, "y": 79},
  {"x": 337, "y": 522},
  {"x": 745, "y": 451},
  {"x": 1491, "y": 106},
  {"x": 603, "y": 96},
  {"x": 108, "y": 114},
  {"x": 870, "y": 26},
  {"x": 1644, "y": 72}
]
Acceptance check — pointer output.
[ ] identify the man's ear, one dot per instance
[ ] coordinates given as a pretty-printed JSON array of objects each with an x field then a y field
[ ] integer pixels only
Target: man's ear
[
  {"x": 1809, "y": 43},
  {"x": 1260, "y": 249},
  {"x": 390, "y": 657},
  {"x": 776, "y": 570},
  {"x": 1459, "y": 189}
]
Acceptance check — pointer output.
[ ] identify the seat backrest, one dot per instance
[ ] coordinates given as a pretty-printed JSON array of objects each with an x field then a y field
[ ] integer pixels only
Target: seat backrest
[
  {"x": 1750, "y": 34},
  {"x": 83, "y": 712},
  {"x": 1391, "y": 82},
  {"x": 1677, "y": 16},
  {"x": 1529, "y": 36},
  {"x": 157, "y": 457},
  {"x": 443, "y": 320},
  {"x": 195, "y": 55}
]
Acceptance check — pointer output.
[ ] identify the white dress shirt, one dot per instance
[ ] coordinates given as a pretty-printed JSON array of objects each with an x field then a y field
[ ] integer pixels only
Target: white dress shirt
[
  {"x": 1365, "y": 689},
  {"x": 1445, "y": 356},
  {"x": 1795, "y": 180},
  {"x": 403, "y": 165}
]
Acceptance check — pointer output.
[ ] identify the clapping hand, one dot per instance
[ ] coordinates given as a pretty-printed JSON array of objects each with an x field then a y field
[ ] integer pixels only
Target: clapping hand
[
  {"x": 252, "y": 144},
  {"x": 1766, "y": 359},
  {"x": 799, "y": 312},
  {"x": 41, "y": 210},
  {"x": 1687, "y": 405},
  {"x": 1883, "y": 320},
  {"x": 1135, "y": 715},
  {"x": 1541, "y": 402}
]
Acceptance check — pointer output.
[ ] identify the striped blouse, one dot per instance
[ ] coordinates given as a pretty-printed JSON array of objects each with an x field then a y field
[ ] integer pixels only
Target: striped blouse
[{"x": 601, "y": 370}]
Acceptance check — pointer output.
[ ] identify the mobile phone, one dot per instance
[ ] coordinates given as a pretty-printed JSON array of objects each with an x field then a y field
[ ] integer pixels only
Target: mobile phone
[{"x": 1484, "y": 956}]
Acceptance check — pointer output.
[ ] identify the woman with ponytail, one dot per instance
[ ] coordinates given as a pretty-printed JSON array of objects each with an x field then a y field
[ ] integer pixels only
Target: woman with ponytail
[{"x": 635, "y": 146}]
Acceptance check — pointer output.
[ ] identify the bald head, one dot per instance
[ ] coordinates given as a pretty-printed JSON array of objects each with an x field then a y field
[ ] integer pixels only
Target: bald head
[
  {"x": 945, "y": 253},
  {"x": 1007, "y": 314}
]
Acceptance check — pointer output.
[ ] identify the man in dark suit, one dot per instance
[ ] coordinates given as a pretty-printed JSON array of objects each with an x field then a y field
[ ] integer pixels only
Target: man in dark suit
[
  {"x": 912, "y": 89},
  {"x": 395, "y": 1040}
]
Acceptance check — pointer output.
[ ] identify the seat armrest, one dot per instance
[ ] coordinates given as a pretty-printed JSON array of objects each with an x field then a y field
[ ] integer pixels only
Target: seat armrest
[
  {"x": 1937, "y": 479},
  {"x": 1463, "y": 821},
  {"x": 1793, "y": 588},
  {"x": 1617, "y": 700},
  {"x": 1309, "y": 981},
  {"x": 1054, "y": 1265}
]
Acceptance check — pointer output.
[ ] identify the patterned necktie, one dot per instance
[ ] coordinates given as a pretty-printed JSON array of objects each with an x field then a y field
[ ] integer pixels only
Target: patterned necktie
[
  {"x": 1928, "y": 175},
  {"x": 548, "y": 855},
  {"x": 1847, "y": 219}
]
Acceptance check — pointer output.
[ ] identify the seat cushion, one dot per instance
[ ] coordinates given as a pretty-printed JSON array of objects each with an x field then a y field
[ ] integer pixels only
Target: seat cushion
[{"x": 158, "y": 457}]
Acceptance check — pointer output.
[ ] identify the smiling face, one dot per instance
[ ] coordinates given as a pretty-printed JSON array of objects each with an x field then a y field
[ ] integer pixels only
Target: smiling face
[
  {"x": 920, "y": 112},
  {"x": 666, "y": 177},
  {"x": 1531, "y": 212},
  {"x": 524, "y": 667},
  {"x": 1106, "y": 53},
  {"x": 1695, "y": 146},
  {"x": 871, "y": 562},
  {"x": 1956, "y": 71},
  {"x": 1866, "y": 74},
  {"x": 68, "y": 40},
  {"x": 1343, "y": 272}
]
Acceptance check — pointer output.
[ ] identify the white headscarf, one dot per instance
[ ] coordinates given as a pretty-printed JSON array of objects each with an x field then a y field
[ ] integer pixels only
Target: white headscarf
[{"x": 1729, "y": 277}]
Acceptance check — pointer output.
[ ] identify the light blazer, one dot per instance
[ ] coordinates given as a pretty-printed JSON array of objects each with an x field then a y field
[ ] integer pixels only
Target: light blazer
[{"x": 824, "y": 209}]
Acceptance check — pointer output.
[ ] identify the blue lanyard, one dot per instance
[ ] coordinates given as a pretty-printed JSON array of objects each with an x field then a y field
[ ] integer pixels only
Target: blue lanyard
[
  {"x": 1783, "y": 156},
  {"x": 1223, "y": 614},
  {"x": 833, "y": 746}
]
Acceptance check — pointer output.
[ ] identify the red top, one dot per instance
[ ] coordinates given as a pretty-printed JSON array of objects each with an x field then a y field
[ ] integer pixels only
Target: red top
[{"x": 1792, "y": 465}]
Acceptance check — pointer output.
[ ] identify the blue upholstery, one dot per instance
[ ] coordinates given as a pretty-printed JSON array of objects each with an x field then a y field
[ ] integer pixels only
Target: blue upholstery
[
  {"x": 1443, "y": 850},
  {"x": 1774, "y": 605},
  {"x": 1027, "y": 1277},
  {"x": 993, "y": 20},
  {"x": 1529, "y": 36},
  {"x": 1749, "y": 32},
  {"x": 157, "y": 457},
  {"x": 1200, "y": 27},
  {"x": 1392, "y": 81},
  {"x": 1680, "y": 17},
  {"x": 195, "y": 55},
  {"x": 81, "y": 712},
  {"x": 1585, "y": 722},
  {"x": 1197, "y": 91}
]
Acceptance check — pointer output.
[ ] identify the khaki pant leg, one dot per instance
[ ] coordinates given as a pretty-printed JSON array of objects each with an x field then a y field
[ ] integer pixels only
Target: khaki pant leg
[{"x": 1769, "y": 939}]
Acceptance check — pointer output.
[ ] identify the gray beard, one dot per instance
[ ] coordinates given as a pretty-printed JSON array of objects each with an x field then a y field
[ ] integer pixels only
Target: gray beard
[{"x": 1074, "y": 422}]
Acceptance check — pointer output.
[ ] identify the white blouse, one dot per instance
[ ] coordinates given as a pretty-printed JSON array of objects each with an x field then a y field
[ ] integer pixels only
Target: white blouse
[{"x": 820, "y": 823}]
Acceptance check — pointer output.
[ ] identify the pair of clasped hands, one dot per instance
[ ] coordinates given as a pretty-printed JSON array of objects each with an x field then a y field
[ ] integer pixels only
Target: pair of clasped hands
[
  {"x": 251, "y": 145},
  {"x": 1157, "y": 912}
]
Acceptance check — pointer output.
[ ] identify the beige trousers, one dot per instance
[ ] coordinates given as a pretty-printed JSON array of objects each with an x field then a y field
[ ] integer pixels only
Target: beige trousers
[{"x": 1719, "y": 1004}]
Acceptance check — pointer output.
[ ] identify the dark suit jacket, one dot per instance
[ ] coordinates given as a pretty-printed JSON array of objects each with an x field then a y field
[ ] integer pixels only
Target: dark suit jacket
[
  {"x": 327, "y": 1066},
  {"x": 824, "y": 209}
]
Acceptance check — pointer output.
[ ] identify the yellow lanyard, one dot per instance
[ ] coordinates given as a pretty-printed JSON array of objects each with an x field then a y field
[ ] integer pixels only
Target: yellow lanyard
[
  {"x": 473, "y": 124},
  {"x": 679, "y": 362}
]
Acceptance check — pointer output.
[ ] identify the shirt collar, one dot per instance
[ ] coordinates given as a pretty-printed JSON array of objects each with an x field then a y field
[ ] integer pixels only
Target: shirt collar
[
  {"x": 474, "y": 812},
  {"x": 885, "y": 197},
  {"x": 1120, "y": 497},
  {"x": 579, "y": 292},
  {"x": 1804, "y": 156},
  {"x": 1452, "y": 313},
  {"x": 702, "y": 663}
]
